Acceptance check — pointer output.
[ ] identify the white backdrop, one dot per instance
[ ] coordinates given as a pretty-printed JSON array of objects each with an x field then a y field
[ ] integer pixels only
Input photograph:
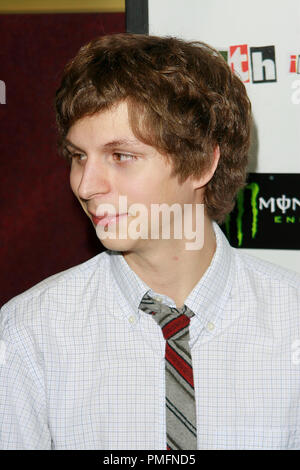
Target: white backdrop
[{"x": 276, "y": 104}]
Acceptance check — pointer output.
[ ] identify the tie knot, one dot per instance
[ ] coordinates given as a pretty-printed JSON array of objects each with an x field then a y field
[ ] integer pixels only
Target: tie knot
[{"x": 174, "y": 322}]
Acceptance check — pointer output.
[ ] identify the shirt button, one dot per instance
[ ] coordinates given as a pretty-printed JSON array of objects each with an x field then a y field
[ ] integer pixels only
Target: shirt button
[
  {"x": 210, "y": 326},
  {"x": 132, "y": 319}
]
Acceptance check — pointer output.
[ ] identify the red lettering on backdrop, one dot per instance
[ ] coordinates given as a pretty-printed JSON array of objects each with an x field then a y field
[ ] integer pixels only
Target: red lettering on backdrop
[{"x": 239, "y": 61}]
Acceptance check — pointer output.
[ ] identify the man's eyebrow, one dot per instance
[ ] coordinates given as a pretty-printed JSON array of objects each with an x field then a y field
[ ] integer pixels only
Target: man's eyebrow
[
  {"x": 120, "y": 142},
  {"x": 68, "y": 142},
  {"x": 108, "y": 145}
]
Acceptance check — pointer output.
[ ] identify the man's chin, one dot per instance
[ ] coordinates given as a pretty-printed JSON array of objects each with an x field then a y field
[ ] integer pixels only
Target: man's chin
[
  {"x": 117, "y": 244},
  {"x": 117, "y": 236}
]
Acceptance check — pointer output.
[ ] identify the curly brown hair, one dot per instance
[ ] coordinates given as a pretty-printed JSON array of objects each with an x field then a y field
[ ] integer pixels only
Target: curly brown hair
[{"x": 183, "y": 99}]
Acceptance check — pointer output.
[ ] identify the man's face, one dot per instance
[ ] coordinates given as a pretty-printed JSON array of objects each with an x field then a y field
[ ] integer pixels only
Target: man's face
[{"x": 108, "y": 162}]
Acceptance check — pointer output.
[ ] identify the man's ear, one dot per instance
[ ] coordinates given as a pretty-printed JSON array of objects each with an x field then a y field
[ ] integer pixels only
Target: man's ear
[{"x": 208, "y": 174}]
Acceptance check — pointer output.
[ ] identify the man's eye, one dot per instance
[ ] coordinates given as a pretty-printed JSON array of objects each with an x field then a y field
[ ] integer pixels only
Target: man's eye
[
  {"x": 76, "y": 156},
  {"x": 122, "y": 157}
]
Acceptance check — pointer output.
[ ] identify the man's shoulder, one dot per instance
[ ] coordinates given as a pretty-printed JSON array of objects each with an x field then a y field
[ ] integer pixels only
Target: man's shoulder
[
  {"x": 265, "y": 272},
  {"x": 269, "y": 297},
  {"x": 57, "y": 286}
]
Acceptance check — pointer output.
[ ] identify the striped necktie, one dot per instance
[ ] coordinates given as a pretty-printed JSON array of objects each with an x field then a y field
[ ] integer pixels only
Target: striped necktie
[{"x": 180, "y": 395}]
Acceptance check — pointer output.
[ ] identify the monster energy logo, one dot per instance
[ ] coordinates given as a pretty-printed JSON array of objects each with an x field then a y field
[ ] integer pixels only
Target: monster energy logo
[
  {"x": 254, "y": 188},
  {"x": 282, "y": 203}
]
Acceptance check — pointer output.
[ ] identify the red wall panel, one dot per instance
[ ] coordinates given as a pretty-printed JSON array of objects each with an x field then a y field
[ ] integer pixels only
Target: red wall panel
[{"x": 43, "y": 228}]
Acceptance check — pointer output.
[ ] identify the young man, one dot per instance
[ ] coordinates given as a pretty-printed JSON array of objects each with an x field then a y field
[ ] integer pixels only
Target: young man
[{"x": 155, "y": 343}]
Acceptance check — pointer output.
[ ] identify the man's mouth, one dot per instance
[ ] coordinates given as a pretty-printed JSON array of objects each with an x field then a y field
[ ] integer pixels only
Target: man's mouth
[{"x": 107, "y": 219}]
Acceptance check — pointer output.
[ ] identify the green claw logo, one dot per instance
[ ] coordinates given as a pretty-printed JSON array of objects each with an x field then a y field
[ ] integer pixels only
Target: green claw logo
[{"x": 254, "y": 188}]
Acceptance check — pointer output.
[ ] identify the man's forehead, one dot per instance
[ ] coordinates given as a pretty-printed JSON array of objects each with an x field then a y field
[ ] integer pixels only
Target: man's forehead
[{"x": 106, "y": 128}]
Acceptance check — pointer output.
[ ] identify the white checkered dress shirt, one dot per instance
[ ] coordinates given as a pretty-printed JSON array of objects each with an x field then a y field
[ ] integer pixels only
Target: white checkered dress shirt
[{"x": 81, "y": 367}]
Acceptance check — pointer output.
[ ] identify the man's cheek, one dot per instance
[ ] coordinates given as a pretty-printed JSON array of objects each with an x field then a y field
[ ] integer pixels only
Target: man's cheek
[{"x": 74, "y": 183}]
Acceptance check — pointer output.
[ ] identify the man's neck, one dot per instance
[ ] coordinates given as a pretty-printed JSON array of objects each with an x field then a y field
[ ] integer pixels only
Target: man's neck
[{"x": 172, "y": 270}]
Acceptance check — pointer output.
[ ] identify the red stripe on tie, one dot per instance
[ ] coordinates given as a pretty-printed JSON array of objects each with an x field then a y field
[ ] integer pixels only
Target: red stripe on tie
[
  {"x": 175, "y": 325},
  {"x": 182, "y": 367}
]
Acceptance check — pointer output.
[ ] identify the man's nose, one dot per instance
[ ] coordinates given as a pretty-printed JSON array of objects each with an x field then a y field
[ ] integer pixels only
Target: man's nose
[{"x": 94, "y": 180}]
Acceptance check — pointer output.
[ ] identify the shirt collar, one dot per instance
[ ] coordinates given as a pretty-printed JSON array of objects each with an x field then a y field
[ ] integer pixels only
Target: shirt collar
[{"x": 207, "y": 297}]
